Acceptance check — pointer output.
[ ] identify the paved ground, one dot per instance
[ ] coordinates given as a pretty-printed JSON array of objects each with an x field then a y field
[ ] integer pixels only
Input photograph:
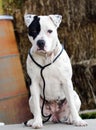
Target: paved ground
[{"x": 48, "y": 126}]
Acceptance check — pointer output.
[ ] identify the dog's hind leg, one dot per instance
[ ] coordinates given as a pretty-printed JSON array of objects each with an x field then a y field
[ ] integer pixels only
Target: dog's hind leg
[
  {"x": 65, "y": 116},
  {"x": 69, "y": 94}
]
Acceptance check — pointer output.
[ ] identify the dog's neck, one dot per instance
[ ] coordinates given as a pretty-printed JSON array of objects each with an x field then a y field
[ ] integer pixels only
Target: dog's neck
[{"x": 48, "y": 57}]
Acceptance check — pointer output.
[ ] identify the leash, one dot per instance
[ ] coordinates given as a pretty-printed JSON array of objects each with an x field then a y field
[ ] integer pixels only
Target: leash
[{"x": 44, "y": 84}]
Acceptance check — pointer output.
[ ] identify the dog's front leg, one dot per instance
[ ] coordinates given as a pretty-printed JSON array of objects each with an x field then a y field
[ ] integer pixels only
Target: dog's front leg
[
  {"x": 34, "y": 103},
  {"x": 68, "y": 90}
]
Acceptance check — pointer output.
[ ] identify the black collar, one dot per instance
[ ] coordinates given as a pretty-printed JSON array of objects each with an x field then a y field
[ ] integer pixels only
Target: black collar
[{"x": 46, "y": 64}]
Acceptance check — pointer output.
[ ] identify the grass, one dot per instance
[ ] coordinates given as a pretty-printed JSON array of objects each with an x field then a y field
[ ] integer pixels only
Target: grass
[{"x": 88, "y": 115}]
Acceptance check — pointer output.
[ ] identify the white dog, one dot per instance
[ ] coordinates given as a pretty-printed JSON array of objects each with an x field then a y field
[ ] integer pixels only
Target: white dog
[{"x": 49, "y": 68}]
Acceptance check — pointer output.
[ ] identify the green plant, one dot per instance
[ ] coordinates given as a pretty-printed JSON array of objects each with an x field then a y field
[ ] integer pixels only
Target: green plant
[
  {"x": 10, "y": 6},
  {"x": 90, "y": 115}
]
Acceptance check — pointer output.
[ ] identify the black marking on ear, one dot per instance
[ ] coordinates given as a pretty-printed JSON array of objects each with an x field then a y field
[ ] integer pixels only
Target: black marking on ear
[{"x": 34, "y": 27}]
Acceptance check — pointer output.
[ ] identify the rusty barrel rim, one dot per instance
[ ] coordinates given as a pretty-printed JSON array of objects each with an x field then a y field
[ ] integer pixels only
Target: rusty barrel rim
[{"x": 6, "y": 17}]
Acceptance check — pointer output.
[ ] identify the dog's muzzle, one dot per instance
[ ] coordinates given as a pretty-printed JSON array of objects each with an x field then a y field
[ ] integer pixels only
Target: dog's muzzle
[{"x": 41, "y": 44}]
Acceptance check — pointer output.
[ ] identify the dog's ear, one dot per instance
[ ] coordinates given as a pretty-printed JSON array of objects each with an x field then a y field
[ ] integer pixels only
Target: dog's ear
[
  {"x": 28, "y": 18},
  {"x": 56, "y": 19}
]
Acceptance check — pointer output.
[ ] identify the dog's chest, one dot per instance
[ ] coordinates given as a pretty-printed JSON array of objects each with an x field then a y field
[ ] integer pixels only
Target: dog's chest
[
  {"x": 54, "y": 83},
  {"x": 55, "y": 76}
]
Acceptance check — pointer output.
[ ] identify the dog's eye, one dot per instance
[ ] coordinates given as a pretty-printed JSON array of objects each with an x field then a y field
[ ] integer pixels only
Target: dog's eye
[
  {"x": 34, "y": 31},
  {"x": 49, "y": 31}
]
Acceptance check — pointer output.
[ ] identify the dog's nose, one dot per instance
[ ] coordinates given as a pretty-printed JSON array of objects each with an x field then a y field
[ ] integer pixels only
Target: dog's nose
[{"x": 41, "y": 44}]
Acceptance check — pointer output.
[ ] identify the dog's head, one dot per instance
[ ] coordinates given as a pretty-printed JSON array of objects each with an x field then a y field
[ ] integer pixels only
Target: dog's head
[{"x": 42, "y": 31}]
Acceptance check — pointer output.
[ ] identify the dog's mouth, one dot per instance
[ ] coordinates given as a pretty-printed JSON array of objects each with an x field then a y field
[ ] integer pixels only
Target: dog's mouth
[{"x": 41, "y": 50}]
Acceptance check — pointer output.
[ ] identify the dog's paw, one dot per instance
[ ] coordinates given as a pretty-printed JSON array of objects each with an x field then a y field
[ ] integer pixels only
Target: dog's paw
[
  {"x": 29, "y": 123},
  {"x": 36, "y": 124},
  {"x": 80, "y": 123}
]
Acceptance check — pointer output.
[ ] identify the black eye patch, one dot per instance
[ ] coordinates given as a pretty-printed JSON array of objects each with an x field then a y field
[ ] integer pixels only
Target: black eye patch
[{"x": 34, "y": 27}]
